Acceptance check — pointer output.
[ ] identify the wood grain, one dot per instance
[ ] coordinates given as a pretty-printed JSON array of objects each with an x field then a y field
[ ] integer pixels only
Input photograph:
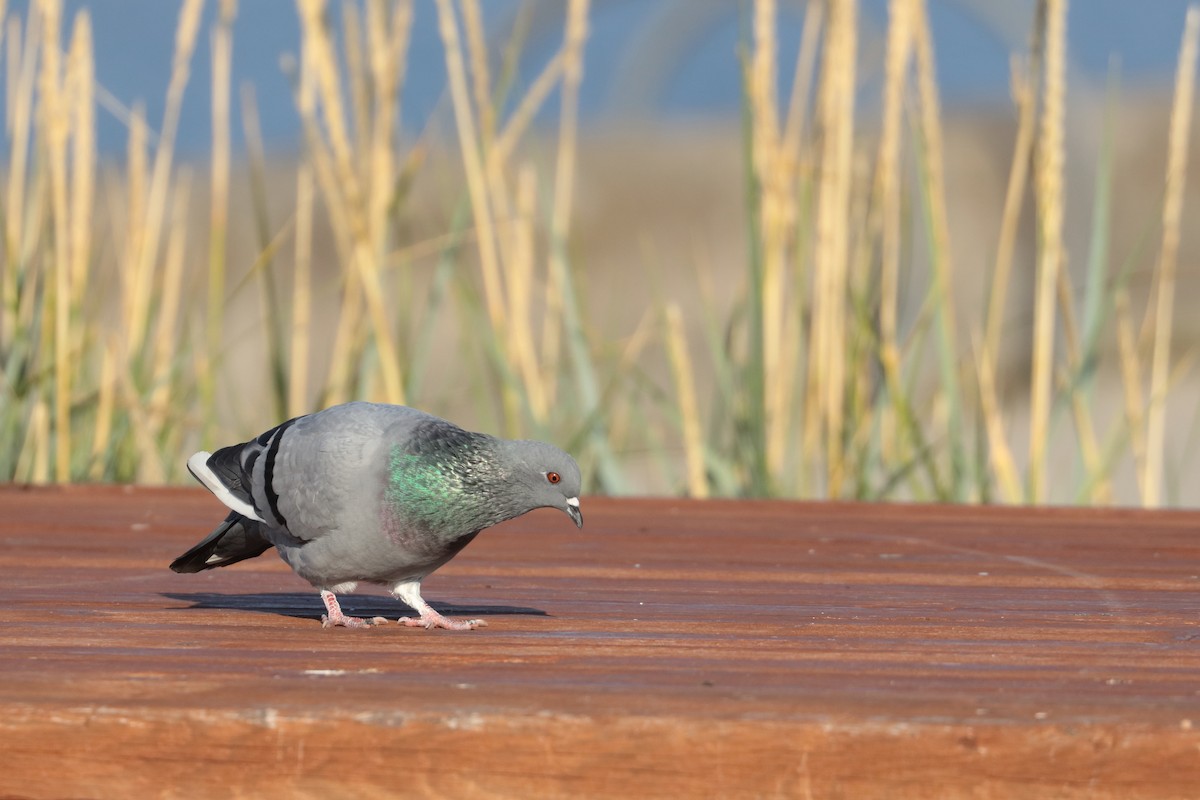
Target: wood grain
[{"x": 670, "y": 649}]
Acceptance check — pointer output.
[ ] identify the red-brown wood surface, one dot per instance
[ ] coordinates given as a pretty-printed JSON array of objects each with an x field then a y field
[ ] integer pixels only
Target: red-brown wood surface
[{"x": 671, "y": 648}]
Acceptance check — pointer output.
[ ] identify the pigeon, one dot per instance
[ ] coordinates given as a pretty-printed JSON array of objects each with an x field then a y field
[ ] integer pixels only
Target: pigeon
[{"x": 374, "y": 493}]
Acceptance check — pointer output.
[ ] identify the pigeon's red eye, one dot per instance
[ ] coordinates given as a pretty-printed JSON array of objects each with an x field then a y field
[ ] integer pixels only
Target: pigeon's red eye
[{"x": 553, "y": 477}]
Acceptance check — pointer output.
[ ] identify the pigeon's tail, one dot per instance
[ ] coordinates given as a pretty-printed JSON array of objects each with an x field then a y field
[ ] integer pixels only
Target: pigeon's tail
[{"x": 234, "y": 540}]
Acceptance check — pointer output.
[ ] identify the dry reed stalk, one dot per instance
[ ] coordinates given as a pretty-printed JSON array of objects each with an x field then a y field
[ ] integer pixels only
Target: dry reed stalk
[
  {"x": 1101, "y": 488},
  {"x": 12, "y": 55},
  {"x": 788, "y": 419},
  {"x": 301, "y": 293},
  {"x": 1089, "y": 446},
  {"x": 329, "y": 91},
  {"x": 390, "y": 56},
  {"x": 774, "y": 194},
  {"x": 263, "y": 270},
  {"x": 516, "y": 240},
  {"x": 150, "y": 468},
  {"x": 1131, "y": 381},
  {"x": 827, "y": 368},
  {"x": 521, "y": 284},
  {"x": 316, "y": 58},
  {"x": 20, "y": 92},
  {"x": 23, "y": 465},
  {"x": 1000, "y": 454},
  {"x": 1049, "y": 179},
  {"x": 887, "y": 187},
  {"x": 515, "y": 248},
  {"x": 55, "y": 129},
  {"x": 10, "y": 35},
  {"x": 861, "y": 338},
  {"x": 792, "y": 147},
  {"x": 481, "y": 80},
  {"x": 564, "y": 173},
  {"x": 358, "y": 83},
  {"x": 37, "y": 442},
  {"x": 574, "y": 36},
  {"x": 489, "y": 203},
  {"x": 802, "y": 78},
  {"x": 776, "y": 172},
  {"x": 67, "y": 116},
  {"x": 1024, "y": 94},
  {"x": 348, "y": 328},
  {"x": 33, "y": 274},
  {"x": 105, "y": 406},
  {"x": 133, "y": 295},
  {"x": 166, "y": 335},
  {"x": 218, "y": 210},
  {"x": 940, "y": 246},
  {"x": 762, "y": 83},
  {"x": 517, "y": 277},
  {"x": 428, "y": 248},
  {"x": 1177, "y": 151},
  {"x": 1025, "y": 100},
  {"x": 689, "y": 409},
  {"x": 29, "y": 303},
  {"x": 389, "y": 355},
  {"x": 517, "y": 280},
  {"x": 80, "y": 81},
  {"x": 315, "y": 54},
  {"x": 489, "y": 261},
  {"x": 527, "y": 107},
  {"x": 302, "y": 272},
  {"x": 387, "y": 41},
  {"x": 621, "y": 417},
  {"x": 361, "y": 246},
  {"x": 383, "y": 55},
  {"x": 156, "y": 201}
]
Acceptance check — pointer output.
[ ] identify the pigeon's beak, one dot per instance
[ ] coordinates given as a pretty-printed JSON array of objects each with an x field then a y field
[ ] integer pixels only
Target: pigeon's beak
[{"x": 573, "y": 511}]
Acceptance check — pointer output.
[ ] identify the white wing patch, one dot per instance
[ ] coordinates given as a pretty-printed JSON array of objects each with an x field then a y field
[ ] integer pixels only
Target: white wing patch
[{"x": 198, "y": 466}]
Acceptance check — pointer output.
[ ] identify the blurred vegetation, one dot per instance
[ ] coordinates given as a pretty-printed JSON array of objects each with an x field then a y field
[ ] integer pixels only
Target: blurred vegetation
[{"x": 110, "y": 357}]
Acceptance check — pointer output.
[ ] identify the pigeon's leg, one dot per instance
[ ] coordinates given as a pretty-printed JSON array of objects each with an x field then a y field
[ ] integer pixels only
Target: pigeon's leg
[
  {"x": 335, "y": 616},
  {"x": 410, "y": 592}
]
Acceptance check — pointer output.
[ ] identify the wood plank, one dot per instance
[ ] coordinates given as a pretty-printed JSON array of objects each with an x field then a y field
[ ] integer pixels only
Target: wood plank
[{"x": 671, "y": 648}]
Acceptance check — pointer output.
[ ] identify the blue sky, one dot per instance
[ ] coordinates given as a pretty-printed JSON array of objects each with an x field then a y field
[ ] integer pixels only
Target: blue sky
[{"x": 645, "y": 58}]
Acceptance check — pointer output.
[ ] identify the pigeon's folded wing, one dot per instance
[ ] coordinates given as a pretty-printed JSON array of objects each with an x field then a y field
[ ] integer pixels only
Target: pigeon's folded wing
[
  {"x": 310, "y": 475},
  {"x": 242, "y": 475}
]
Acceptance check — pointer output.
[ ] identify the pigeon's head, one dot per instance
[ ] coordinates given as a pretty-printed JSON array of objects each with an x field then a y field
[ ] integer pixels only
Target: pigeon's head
[{"x": 547, "y": 477}]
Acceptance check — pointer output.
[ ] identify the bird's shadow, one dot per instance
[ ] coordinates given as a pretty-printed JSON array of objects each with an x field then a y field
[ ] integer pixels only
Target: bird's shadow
[{"x": 304, "y": 605}]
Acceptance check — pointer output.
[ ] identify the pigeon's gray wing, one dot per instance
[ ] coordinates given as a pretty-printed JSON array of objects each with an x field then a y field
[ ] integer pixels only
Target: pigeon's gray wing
[{"x": 310, "y": 475}]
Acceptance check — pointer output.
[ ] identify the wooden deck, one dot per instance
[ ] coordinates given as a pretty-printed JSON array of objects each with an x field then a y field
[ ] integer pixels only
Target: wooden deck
[{"x": 670, "y": 649}]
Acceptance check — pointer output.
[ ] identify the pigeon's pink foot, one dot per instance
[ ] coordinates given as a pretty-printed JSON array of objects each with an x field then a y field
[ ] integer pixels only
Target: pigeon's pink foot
[
  {"x": 431, "y": 619},
  {"x": 410, "y": 592},
  {"x": 335, "y": 617}
]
